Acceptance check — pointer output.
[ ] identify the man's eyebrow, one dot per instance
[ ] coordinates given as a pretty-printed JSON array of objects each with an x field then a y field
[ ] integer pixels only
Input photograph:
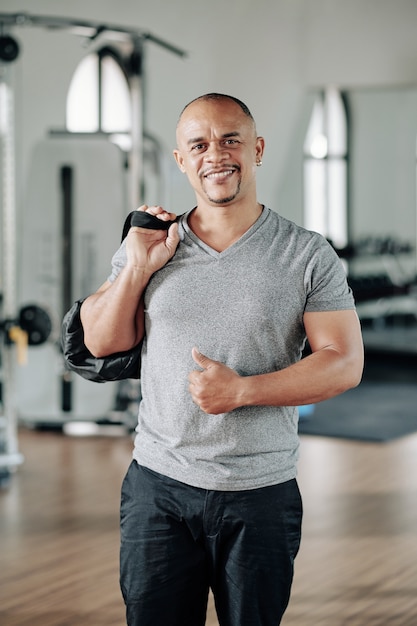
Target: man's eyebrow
[
  {"x": 195, "y": 140},
  {"x": 201, "y": 139}
]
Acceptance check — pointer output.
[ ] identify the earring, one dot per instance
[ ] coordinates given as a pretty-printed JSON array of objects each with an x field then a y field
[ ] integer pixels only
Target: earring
[{"x": 259, "y": 163}]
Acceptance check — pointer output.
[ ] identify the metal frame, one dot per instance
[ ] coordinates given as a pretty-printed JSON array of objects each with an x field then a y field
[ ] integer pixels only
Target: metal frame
[{"x": 9, "y": 452}]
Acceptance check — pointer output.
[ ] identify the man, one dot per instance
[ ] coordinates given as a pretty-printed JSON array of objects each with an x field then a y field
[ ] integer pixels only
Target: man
[{"x": 223, "y": 302}]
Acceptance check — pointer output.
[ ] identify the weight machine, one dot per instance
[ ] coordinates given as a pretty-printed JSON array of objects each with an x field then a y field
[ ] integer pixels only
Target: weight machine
[{"x": 32, "y": 325}]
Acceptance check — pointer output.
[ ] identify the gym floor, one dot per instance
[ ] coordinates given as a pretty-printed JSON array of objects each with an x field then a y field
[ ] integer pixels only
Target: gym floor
[{"x": 59, "y": 534}]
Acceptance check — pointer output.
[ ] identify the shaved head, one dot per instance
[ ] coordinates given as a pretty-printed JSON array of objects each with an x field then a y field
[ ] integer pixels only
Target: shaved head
[{"x": 219, "y": 97}]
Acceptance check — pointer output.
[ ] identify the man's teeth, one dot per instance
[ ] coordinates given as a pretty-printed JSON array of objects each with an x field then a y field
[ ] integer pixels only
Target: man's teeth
[{"x": 219, "y": 174}]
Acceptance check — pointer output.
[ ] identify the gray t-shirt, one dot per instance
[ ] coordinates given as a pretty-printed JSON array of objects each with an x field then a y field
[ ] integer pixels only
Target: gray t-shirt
[{"x": 244, "y": 307}]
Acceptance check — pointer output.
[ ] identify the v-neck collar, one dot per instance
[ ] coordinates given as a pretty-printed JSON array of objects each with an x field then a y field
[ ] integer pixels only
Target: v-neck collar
[{"x": 211, "y": 251}]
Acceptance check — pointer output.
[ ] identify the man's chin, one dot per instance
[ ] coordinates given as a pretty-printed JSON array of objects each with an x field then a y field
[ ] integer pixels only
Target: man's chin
[{"x": 222, "y": 200}]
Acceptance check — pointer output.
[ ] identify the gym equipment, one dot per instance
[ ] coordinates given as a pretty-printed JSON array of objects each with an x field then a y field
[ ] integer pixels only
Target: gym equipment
[
  {"x": 131, "y": 43},
  {"x": 66, "y": 241},
  {"x": 77, "y": 198},
  {"x": 9, "y": 49},
  {"x": 31, "y": 327},
  {"x": 9, "y": 450}
]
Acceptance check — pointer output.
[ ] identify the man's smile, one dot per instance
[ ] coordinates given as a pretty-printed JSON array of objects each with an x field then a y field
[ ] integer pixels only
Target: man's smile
[{"x": 217, "y": 175}]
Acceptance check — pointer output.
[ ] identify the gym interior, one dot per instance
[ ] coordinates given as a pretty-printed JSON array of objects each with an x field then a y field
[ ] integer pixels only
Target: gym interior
[{"x": 90, "y": 93}]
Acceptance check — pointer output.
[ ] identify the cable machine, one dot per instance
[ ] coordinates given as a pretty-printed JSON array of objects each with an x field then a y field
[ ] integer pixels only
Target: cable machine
[{"x": 32, "y": 324}]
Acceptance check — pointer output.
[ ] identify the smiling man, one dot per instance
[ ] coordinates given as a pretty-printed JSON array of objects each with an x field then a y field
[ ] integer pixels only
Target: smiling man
[
  {"x": 219, "y": 161},
  {"x": 223, "y": 302}
]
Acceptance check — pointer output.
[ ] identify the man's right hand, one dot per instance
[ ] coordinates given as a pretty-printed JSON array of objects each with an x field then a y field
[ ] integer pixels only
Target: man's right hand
[{"x": 148, "y": 250}]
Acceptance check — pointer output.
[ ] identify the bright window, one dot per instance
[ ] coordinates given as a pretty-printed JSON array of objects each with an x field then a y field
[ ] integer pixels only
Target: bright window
[
  {"x": 99, "y": 96},
  {"x": 325, "y": 168}
]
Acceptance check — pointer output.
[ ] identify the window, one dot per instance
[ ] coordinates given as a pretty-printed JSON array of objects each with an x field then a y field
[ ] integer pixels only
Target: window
[
  {"x": 99, "y": 97},
  {"x": 325, "y": 168}
]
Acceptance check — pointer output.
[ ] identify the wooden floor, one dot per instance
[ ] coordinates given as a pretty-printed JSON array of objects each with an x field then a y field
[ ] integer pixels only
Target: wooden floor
[{"x": 59, "y": 534}]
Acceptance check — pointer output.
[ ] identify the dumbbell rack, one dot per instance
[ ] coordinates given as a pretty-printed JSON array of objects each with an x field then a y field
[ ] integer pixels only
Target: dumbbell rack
[{"x": 10, "y": 456}]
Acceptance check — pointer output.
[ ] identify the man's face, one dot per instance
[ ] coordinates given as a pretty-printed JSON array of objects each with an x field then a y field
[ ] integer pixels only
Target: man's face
[{"x": 218, "y": 150}]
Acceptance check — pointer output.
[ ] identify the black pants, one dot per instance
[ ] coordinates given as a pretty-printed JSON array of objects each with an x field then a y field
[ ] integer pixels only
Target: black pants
[{"x": 178, "y": 541}]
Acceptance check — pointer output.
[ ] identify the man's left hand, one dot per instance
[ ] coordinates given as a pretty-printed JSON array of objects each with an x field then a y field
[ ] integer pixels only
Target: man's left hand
[{"x": 215, "y": 389}]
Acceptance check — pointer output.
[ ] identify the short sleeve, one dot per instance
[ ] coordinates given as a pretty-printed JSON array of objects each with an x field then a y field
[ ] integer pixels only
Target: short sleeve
[{"x": 326, "y": 282}]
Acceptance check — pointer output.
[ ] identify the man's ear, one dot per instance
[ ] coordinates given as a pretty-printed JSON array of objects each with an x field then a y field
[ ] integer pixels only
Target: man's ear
[
  {"x": 260, "y": 146},
  {"x": 179, "y": 160}
]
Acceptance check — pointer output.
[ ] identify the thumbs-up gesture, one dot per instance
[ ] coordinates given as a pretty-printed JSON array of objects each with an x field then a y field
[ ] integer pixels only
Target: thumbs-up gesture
[{"x": 217, "y": 388}]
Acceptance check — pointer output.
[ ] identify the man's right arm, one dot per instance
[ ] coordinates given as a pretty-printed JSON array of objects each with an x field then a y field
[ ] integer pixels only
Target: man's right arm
[{"x": 113, "y": 317}]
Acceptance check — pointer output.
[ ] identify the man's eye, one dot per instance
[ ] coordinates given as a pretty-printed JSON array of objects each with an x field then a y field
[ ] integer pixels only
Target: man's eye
[
  {"x": 231, "y": 142},
  {"x": 198, "y": 147}
]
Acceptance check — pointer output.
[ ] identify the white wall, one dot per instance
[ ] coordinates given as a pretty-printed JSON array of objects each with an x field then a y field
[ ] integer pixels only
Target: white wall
[{"x": 266, "y": 52}]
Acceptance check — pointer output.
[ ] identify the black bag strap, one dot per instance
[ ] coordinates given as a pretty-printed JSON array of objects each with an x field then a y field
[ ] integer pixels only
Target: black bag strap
[{"x": 145, "y": 220}]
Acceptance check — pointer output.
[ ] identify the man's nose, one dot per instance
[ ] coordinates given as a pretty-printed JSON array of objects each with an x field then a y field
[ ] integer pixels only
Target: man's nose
[{"x": 216, "y": 151}]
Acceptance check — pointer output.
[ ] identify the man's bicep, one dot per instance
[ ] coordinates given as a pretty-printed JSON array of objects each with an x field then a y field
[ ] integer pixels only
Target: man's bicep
[{"x": 338, "y": 329}]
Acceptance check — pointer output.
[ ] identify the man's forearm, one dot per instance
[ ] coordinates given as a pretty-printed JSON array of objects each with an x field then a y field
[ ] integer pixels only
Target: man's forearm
[
  {"x": 113, "y": 318},
  {"x": 315, "y": 378}
]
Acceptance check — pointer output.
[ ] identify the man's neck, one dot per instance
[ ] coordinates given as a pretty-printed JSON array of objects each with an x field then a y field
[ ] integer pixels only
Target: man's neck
[{"x": 220, "y": 227}]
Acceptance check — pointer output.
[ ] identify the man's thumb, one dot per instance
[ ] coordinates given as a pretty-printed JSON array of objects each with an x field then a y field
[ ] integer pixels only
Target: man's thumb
[{"x": 201, "y": 360}]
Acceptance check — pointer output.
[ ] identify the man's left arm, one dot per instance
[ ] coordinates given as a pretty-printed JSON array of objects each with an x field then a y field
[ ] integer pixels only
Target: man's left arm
[{"x": 334, "y": 366}]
